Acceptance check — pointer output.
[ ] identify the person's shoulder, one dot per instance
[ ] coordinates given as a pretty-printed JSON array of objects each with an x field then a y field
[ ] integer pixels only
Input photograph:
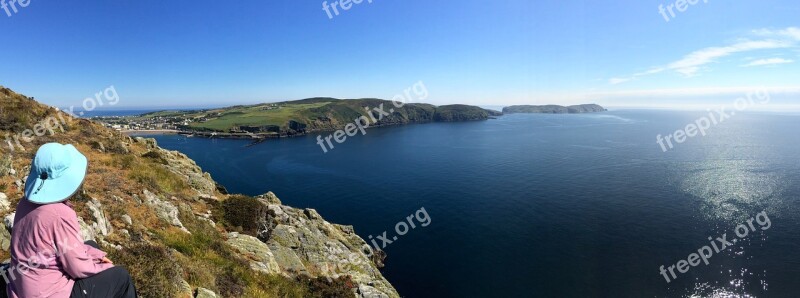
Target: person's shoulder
[{"x": 58, "y": 210}]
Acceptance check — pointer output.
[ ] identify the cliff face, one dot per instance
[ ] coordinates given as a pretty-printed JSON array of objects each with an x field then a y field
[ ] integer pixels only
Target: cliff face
[
  {"x": 163, "y": 218},
  {"x": 554, "y": 109},
  {"x": 456, "y": 113}
]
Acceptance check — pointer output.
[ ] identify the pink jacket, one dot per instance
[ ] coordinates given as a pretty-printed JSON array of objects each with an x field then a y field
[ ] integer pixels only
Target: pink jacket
[{"x": 48, "y": 252}]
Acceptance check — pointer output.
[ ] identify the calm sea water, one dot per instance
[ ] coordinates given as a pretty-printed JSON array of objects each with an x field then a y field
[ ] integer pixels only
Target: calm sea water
[{"x": 548, "y": 205}]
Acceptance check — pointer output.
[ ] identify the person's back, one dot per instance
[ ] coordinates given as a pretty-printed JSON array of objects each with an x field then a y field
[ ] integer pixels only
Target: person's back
[
  {"x": 43, "y": 237},
  {"x": 48, "y": 255}
]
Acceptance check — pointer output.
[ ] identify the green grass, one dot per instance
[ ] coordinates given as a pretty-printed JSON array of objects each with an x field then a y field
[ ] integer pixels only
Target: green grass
[
  {"x": 157, "y": 177},
  {"x": 257, "y": 116}
]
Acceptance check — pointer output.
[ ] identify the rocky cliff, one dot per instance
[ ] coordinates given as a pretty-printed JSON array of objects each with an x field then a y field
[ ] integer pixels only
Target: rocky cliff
[{"x": 178, "y": 233}]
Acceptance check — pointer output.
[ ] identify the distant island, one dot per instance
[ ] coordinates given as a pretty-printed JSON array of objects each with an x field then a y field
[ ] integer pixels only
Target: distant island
[
  {"x": 554, "y": 109},
  {"x": 293, "y": 118}
]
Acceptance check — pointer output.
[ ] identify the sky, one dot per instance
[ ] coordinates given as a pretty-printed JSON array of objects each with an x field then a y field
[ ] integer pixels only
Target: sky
[{"x": 214, "y": 53}]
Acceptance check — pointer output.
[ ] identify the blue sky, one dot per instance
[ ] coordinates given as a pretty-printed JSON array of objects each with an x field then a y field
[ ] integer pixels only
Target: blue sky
[{"x": 211, "y": 53}]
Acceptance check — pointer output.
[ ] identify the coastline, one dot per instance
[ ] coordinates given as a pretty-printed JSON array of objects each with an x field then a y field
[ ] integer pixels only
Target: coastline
[
  {"x": 260, "y": 137},
  {"x": 150, "y": 132}
]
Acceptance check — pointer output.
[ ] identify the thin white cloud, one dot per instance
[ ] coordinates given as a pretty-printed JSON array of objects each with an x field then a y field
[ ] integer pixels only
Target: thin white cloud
[
  {"x": 615, "y": 81},
  {"x": 790, "y": 33},
  {"x": 691, "y": 64},
  {"x": 698, "y": 60},
  {"x": 678, "y": 92},
  {"x": 770, "y": 61}
]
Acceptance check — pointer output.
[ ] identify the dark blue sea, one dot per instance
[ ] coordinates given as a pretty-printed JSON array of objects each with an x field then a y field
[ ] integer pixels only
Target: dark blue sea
[{"x": 550, "y": 205}]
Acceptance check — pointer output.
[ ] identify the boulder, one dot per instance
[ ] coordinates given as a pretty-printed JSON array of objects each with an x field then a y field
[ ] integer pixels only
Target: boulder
[
  {"x": 365, "y": 291},
  {"x": 303, "y": 243},
  {"x": 263, "y": 259},
  {"x": 5, "y": 204},
  {"x": 205, "y": 293},
  {"x": 185, "y": 289},
  {"x": 98, "y": 146},
  {"x": 164, "y": 210},
  {"x": 180, "y": 164},
  {"x": 127, "y": 219},
  {"x": 269, "y": 199},
  {"x": 8, "y": 220},
  {"x": 88, "y": 231},
  {"x": 5, "y": 237},
  {"x": 101, "y": 224}
]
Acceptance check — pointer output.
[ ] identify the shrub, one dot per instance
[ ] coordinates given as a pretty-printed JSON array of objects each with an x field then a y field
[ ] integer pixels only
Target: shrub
[
  {"x": 5, "y": 165},
  {"x": 155, "y": 156},
  {"x": 244, "y": 212},
  {"x": 334, "y": 288},
  {"x": 229, "y": 284},
  {"x": 124, "y": 161},
  {"x": 116, "y": 146},
  {"x": 153, "y": 269}
]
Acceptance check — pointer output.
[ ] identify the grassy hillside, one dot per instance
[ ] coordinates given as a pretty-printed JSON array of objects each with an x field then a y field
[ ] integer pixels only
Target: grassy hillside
[
  {"x": 318, "y": 114},
  {"x": 164, "y": 219}
]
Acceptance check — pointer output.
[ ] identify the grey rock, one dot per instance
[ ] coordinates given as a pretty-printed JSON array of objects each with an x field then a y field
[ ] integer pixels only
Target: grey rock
[
  {"x": 205, "y": 293},
  {"x": 164, "y": 210},
  {"x": 207, "y": 198},
  {"x": 122, "y": 148},
  {"x": 151, "y": 143},
  {"x": 263, "y": 259},
  {"x": 288, "y": 260},
  {"x": 127, "y": 219},
  {"x": 101, "y": 224},
  {"x": 207, "y": 220},
  {"x": 98, "y": 146},
  {"x": 87, "y": 231},
  {"x": 302, "y": 242},
  {"x": 312, "y": 214},
  {"x": 185, "y": 289},
  {"x": 8, "y": 220},
  {"x": 5, "y": 204},
  {"x": 180, "y": 164},
  {"x": 365, "y": 291},
  {"x": 269, "y": 199},
  {"x": 5, "y": 237}
]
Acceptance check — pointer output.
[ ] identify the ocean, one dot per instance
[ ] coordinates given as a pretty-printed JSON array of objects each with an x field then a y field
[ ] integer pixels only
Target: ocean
[{"x": 531, "y": 205}]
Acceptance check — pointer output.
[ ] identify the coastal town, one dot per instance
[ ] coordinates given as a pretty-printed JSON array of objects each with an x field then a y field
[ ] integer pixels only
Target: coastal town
[
  {"x": 190, "y": 123},
  {"x": 145, "y": 124}
]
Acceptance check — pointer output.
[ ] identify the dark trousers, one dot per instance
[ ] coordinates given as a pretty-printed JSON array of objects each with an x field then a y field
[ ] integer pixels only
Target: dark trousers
[{"x": 115, "y": 282}]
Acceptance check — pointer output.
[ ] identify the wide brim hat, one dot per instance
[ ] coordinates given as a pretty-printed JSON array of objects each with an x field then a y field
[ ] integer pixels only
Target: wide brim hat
[{"x": 57, "y": 173}]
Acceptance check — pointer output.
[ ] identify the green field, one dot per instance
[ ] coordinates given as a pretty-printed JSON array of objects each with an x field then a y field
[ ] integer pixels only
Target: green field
[{"x": 254, "y": 116}]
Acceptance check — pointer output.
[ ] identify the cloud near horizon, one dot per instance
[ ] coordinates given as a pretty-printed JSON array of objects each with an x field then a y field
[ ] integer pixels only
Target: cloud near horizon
[
  {"x": 692, "y": 63},
  {"x": 770, "y": 61}
]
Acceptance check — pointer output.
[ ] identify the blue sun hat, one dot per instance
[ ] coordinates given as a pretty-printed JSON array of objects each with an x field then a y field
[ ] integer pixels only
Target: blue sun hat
[{"x": 56, "y": 174}]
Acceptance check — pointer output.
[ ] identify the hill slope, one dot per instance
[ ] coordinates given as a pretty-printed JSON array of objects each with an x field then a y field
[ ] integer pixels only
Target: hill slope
[
  {"x": 311, "y": 115},
  {"x": 174, "y": 228},
  {"x": 554, "y": 109}
]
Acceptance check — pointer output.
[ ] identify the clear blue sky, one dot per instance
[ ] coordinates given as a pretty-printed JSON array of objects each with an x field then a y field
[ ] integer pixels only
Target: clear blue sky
[{"x": 188, "y": 53}]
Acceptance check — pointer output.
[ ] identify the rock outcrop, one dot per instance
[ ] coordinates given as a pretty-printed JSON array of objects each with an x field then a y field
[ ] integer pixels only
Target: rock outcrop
[
  {"x": 302, "y": 242},
  {"x": 165, "y": 210}
]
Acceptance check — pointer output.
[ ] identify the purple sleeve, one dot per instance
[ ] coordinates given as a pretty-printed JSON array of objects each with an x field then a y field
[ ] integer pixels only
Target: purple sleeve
[
  {"x": 95, "y": 253},
  {"x": 77, "y": 259}
]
